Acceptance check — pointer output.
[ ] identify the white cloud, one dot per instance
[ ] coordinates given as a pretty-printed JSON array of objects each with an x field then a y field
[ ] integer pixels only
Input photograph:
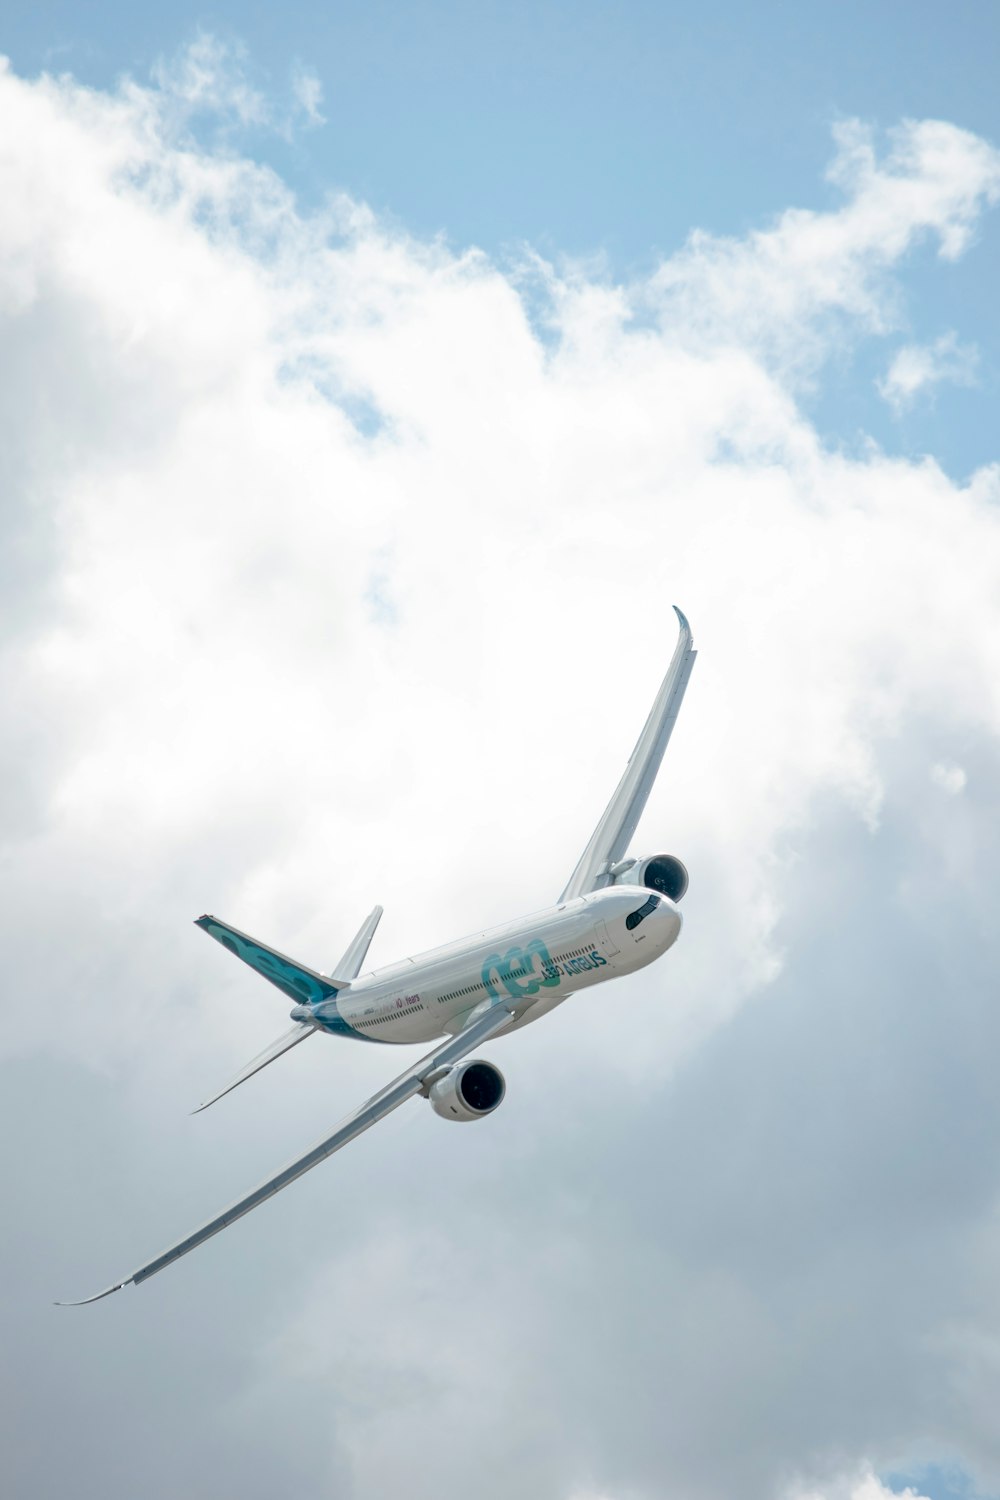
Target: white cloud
[
  {"x": 340, "y": 569},
  {"x": 212, "y": 83},
  {"x": 866, "y": 1486},
  {"x": 916, "y": 367},
  {"x": 208, "y": 76},
  {"x": 308, "y": 93},
  {"x": 949, "y": 778},
  {"x": 794, "y": 291}
]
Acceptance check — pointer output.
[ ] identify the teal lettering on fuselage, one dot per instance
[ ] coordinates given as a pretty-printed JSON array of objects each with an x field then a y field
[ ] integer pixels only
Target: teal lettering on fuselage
[{"x": 524, "y": 971}]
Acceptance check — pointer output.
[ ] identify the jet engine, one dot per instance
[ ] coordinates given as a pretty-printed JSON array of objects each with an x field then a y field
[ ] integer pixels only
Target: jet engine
[
  {"x": 468, "y": 1091},
  {"x": 657, "y": 872}
]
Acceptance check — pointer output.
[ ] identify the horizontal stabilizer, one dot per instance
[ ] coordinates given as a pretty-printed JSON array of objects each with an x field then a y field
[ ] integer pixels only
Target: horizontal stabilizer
[
  {"x": 300, "y": 984},
  {"x": 284, "y": 1043},
  {"x": 350, "y": 965}
]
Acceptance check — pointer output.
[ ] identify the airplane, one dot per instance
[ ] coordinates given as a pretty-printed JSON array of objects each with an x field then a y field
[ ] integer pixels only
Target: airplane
[{"x": 615, "y": 915}]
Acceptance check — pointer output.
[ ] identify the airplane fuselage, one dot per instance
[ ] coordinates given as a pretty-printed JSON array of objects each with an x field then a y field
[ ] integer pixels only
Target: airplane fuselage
[{"x": 532, "y": 965}]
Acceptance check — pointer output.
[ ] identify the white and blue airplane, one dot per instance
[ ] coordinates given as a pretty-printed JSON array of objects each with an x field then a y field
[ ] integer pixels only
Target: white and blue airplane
[{"x": 616, "y": 915}]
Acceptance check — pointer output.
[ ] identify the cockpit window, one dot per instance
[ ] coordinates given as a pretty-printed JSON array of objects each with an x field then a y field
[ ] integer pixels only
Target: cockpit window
[{"x": 641, "y": 912}]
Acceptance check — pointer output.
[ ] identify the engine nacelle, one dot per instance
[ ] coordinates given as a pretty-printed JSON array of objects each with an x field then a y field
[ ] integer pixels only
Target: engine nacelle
[
  {"x": 468, "y": 1091},
  {"x": 657, "y": 872}
]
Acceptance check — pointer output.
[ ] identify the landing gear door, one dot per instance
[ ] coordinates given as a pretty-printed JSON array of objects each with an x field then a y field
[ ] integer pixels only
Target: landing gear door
[{"x": 607, "y": 943}]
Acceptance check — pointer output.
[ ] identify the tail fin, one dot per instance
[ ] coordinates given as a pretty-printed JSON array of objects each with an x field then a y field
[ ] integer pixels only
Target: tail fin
[
  {"x": 305, "y": 986},
  {"x": 300, "y": 984}
]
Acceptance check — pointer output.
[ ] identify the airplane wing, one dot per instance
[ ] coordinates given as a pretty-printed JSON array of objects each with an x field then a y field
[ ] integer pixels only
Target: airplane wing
[
  {"x": 612, "y": 835},
  {"x": 413, "y": 1081}
]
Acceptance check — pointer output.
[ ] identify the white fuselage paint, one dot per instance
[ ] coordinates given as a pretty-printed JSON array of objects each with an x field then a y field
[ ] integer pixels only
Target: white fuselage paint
[{"x": 532, "y": 965}]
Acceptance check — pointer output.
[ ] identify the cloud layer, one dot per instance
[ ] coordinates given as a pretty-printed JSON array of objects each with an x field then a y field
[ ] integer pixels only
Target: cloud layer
[
  {"x": 338, "y": 569},
  {"x": 917, "y": 367}
]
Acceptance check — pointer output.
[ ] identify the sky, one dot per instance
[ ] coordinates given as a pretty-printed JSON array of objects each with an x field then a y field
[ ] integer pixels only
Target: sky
[
  {"x": 372, "y": 384},
  {"x": 601, "y": 131}
]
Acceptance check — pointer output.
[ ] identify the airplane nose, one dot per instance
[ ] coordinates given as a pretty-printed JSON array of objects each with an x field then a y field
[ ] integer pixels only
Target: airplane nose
[{"x": 671, "y": 920}]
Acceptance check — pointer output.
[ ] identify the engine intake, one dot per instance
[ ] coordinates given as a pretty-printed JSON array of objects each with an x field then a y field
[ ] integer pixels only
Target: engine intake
[
  {"x": 657, "y": 872},
  {"x": 469, "y": 1091}
]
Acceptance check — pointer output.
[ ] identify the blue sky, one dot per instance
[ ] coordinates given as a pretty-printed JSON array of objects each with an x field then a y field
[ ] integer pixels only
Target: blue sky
[
  {"x": 780, "y": 1205},
  {"x": 588, "y": 129},
  {"x": 578, "y": 127}
]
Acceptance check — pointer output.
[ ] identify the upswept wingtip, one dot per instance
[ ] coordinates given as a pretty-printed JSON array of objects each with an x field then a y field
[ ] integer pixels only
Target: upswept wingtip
[
  {"x": 685, "y": 623},
  {"x": 83, "y": 1301}
]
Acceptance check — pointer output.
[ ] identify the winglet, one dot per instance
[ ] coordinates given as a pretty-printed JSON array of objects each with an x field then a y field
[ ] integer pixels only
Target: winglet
[{"x": 97, "y": 1295}]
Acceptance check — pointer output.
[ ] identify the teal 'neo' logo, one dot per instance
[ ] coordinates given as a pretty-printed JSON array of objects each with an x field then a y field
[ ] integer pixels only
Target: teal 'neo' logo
[{"x": 524, "y": 971}]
